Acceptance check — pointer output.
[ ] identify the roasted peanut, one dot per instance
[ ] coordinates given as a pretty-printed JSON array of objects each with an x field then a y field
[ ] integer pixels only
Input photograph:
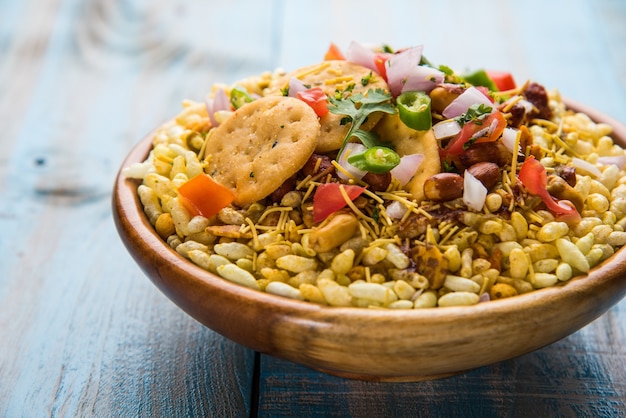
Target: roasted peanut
[
  {"x": 443, "y": 187},
  {"x": 317, "y": 164},
  {"x": 482, "y": 152},
  {"x": 378, "y": 182},
  {"x": 567, "y": 173},
  {"x": 488, "y": 173}
]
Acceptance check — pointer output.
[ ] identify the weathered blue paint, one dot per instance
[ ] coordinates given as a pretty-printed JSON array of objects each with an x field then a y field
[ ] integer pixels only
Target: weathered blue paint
[{"x": 84, "y": 333}]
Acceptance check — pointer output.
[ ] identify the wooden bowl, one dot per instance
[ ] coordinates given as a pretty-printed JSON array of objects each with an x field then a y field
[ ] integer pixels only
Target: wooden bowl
[{"x": 370, "y": 344}]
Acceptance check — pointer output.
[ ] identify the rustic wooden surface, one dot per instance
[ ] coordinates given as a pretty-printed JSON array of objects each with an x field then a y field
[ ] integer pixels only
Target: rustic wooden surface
[{"x": 84, "y": 333}]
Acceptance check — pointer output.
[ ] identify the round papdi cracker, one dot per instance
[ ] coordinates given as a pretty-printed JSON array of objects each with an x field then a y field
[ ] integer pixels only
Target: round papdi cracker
[
  {"x": 331, "y": 76},
  {"x": 261, "y": 145},
  {"x": 406, "y": 141}
]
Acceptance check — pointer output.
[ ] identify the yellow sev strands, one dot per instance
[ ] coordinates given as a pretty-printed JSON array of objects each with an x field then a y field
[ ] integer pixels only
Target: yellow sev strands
[
  {"x": 375, "y": 224},
  {"x": 313, "y": 70}
]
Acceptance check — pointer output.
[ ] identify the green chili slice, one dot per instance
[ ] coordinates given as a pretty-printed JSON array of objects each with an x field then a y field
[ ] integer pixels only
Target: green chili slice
[
  {"x": 414, "y": 110},
  {"x": 239, "y": 97},
  {"x": 378, "y": 160},
  {"x": 481, "y": 78}
]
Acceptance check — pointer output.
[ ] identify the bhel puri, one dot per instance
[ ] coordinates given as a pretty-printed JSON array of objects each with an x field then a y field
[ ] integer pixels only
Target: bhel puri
[{"x": 376, "y": 179}]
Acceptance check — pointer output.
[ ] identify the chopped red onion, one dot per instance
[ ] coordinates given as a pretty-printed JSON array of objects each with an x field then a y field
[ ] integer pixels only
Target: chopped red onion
[
  {"x": 469, "y": 97},
  {"x": 219, "y": 102},
  {"x": 396, "y": 210},
  {"x": 446, "y": 129},
  {"x": 528, "y": 106},
  {"x": 296, "y": 86},
  {"x": 350, "y": 149},
  {"x": 409, "y": 164},
  {"x": 400, "y": 67},
  {"x": 618, "y": 160},
  {"x": 484, "y": 298},
  {"x": 586, "y": 166},
  {"x": 423, "y": 78},
  {"x": 362, "y": 55},
  {"x": 209, "y": 103},
  {"x": 474, "y": 192},
  {"x": 509, "y": 137}
]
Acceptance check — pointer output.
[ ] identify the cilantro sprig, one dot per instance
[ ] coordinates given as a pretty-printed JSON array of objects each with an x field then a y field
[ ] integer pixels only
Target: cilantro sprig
[
  {"x": 475, "y": 113},
  {"x": 356, "y": 108}
]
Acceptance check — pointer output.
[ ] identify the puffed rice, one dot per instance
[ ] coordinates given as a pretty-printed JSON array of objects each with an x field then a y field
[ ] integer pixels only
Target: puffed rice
[{"x": 513, "y": 246}]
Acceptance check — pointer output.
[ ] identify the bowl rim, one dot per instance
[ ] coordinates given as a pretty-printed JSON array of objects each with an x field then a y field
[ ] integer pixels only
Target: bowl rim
[{"x": 129, "y": 217}]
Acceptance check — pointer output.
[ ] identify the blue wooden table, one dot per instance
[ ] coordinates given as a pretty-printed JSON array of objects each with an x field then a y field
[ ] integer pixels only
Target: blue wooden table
[{"x": 84, "y": 333}]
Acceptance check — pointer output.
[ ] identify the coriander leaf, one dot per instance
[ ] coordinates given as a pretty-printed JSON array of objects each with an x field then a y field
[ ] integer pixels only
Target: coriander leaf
[
  {"x": 357, "y": 107},
  {"x": 426, "y": 62},
  {"x": 449, "y": 167},
  {"x": 446, "y": 70},
  {"x": 369, "y": 139},
  {"x": 474, "y": 113}
]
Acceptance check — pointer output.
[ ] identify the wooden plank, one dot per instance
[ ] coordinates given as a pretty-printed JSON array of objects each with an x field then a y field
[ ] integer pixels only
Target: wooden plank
[
  {"x": 84, "y": 331},
  {"x": 582, "y": 375}
]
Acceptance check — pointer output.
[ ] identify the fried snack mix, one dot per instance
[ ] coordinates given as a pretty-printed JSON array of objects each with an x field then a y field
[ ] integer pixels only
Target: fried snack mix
[{"x": 533, "y": 196}]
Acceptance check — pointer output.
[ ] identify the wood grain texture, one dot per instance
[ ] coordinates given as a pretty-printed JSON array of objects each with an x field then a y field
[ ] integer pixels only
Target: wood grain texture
[
  {"x": 84, "y": 333},
  {"x": 559, "y": 381}
]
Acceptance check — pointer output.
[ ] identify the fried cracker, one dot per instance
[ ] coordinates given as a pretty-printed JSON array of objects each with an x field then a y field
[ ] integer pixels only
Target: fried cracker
[
  {"x": 407, "y": 141},
  {"x": 261, "y": 145}
]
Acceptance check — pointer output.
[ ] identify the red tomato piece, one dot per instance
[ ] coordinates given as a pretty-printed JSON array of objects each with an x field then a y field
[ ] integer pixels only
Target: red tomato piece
[
  {"x": 316, "y": 98},
  {"x": 333, "y": 53},
  {"x": 503, "y": 80},
  {"x": 470, "y": 130},
  {"x": 534, "y": 178},
  {"x": 328, "y": 199},
  {"x": 380, "y": 61}
]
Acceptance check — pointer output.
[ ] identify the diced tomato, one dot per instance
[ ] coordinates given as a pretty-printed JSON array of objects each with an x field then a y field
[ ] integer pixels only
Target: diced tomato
[
  {"x": 503, "y": 80},
  {"x": 468, "y": 133},
  {"x": 333, "y": 53},
  {"x": 534, "y": 178},
  {"x": 316, "y": 98},
  {"x": 203, "y": 196},
  {"x": 328, "y": 199},
  {"x": 380, "y": 61}
]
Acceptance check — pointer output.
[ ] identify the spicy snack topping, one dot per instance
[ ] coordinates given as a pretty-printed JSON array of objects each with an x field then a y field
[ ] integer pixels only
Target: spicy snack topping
[{"x": 377, "y": 179}]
